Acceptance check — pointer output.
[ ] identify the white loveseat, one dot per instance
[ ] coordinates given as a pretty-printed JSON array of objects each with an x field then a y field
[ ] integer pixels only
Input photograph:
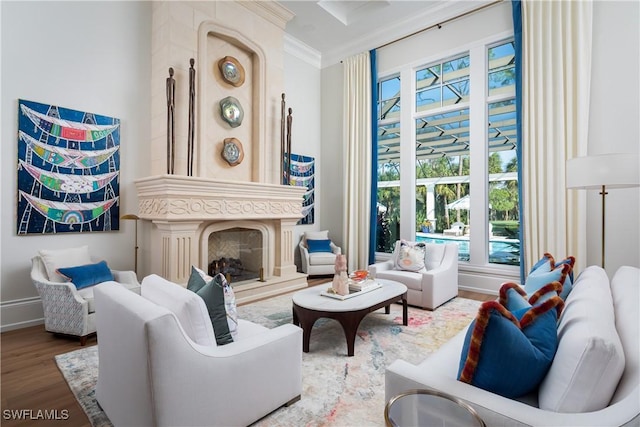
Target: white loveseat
[
  {"x": 578, "y": 324},
  {"x": 159, "y": 364}
]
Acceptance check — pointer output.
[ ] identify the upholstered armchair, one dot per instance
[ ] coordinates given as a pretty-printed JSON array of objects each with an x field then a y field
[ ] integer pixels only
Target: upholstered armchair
[
  {"x": 318, "y": 256},
  {"x": 431, "y": 286},
  {"x": 67, "y": 309},
  {"x": 160, "y": 364}
]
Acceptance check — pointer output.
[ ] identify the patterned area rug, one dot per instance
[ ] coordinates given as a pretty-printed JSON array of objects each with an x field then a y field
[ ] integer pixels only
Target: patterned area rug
[{"x": 336, "y": 390}]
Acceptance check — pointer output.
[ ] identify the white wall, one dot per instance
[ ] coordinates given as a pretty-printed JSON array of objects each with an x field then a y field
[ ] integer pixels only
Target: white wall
[
  {"x": 88, "y": 56},
  {"x": 302, "y": 95},
  {"x": 613, "y": 128}
]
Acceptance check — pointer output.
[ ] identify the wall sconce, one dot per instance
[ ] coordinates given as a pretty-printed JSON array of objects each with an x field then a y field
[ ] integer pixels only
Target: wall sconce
[{"x": 135, "y": 218}]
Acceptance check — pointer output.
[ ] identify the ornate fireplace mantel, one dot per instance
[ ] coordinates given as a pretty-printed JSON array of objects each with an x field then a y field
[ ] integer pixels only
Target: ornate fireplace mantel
[{"x": 184, "y": 210}]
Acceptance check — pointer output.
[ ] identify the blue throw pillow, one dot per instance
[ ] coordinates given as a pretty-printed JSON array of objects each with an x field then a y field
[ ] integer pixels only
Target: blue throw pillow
[
  {"x": 547, "y": 264},
  {"x": 87, "y": 275},
  {"x": 212, "y": 292},
  {"x": 319, "y": 245},
  {"x": 546, "y": 274},
  {"x": 509, "y": 353}
]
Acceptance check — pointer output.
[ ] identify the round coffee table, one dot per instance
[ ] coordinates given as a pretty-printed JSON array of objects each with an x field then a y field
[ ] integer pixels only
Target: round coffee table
[
  {"x": 429, "y": 408},
  {"x": 309, "y": 305}
]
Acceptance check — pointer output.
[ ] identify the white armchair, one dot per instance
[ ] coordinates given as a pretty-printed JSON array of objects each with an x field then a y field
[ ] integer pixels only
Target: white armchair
[
  {"x": 431, "y": 287},
  {"x": 68, "y": 310},
  {"x": 153, "y": 372},
  {"x": 318, "y": 263}
]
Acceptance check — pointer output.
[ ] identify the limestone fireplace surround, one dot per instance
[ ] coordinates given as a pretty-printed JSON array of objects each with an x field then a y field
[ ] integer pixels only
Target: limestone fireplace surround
[{"x": 185, "y": 210}]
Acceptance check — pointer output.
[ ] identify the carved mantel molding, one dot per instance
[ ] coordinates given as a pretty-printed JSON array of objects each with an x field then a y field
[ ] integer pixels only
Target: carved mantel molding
[{"x": 185, "y": 198}]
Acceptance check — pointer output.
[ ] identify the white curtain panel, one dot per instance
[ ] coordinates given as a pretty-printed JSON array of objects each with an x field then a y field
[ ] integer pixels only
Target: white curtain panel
[
  {"x": 556, "y": 52},
  {"x": 357, "y": 157}
]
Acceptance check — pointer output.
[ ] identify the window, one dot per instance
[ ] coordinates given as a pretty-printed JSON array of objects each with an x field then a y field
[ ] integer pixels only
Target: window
[
  {"x": 464, "y": 139},
  {"x": 388, "y": 208}
]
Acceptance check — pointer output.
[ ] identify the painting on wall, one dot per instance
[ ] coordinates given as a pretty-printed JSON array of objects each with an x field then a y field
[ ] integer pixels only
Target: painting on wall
[
  {"x": 68, "y": 170},
  {"x": 302, "y": 174}
]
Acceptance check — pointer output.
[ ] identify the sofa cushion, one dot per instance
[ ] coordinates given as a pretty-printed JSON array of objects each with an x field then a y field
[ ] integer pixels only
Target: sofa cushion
[
  {"x": 212, "y": 292},
  {"x": 322, "y": 258},
  {"x": 83, "y": 276},
  {"x": 509, "y": 353},
  {"x": 409, "y": 256},
  {"x": 188, "y": 307},
  {"x": 323, "y": 245},
  {"x": 57, "y": 258},
  {"x": 626, "y": 294},
  {"x": 590, "y": 360}
]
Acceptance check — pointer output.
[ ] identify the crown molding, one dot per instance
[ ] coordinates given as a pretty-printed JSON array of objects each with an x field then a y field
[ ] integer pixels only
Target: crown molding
[
  {"x": 387, "y": 34},
  {"x": 270, "y": 10},
  {"x": 302, "y": 51}
]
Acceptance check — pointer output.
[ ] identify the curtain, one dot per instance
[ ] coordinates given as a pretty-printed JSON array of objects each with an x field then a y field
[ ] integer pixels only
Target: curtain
[
  {"x": 357, "y": 159},
  {"x": 373, "y": 215},
  {"x": 516, "y": 9},
  {"x": 556, "y": 74}
]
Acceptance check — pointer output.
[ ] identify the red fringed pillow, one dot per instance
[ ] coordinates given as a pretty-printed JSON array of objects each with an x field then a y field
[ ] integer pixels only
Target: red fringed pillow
[{"x": 509, "y": 353}]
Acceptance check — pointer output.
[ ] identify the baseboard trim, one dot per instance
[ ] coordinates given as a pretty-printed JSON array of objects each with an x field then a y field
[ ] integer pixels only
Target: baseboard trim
[{"x": 21, "y": 313}]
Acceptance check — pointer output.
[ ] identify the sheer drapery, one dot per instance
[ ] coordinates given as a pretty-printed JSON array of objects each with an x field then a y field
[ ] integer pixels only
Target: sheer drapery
[
  {"x": 556, "y": 56},
  {"x": 357, "y": 139}
]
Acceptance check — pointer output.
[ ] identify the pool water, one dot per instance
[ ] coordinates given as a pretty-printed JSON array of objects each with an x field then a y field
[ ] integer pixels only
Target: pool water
[{"x": 500, "y": 251}]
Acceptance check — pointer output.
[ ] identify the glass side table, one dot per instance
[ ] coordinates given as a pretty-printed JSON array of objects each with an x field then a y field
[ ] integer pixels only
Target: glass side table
[{"x": 429, "y": 408}]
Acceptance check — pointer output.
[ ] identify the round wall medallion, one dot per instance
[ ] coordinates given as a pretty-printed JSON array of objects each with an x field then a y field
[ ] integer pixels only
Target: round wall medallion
[
  {"x": 231, "y": 111},
  {"x": 231, "y": 70},
  {"x": 232, "y": 151}
]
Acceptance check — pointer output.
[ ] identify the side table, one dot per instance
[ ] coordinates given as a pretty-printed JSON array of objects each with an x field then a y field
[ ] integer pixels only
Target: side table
[{"x": 429, "y": 408}]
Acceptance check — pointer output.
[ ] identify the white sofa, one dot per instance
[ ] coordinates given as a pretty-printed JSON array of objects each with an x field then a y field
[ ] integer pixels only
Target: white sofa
[
  {"x": 577, "y": 325},
  {"x": 429, "y": 288},
  {"x": 160, "y": 366}
]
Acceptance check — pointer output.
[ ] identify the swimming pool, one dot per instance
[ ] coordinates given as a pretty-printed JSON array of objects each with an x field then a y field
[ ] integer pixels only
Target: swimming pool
[{"x": 503, "y": 251}]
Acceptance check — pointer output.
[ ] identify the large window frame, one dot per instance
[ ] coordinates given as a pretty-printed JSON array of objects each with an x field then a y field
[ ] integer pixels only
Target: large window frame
[{"x": 478, "y": 102}]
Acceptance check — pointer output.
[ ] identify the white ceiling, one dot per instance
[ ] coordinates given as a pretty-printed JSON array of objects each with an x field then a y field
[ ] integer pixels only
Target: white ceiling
[{"x": 337, "y": 29}]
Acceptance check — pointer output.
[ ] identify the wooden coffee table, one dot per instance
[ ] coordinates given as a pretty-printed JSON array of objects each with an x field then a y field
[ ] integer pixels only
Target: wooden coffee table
[{"x": 309, "y": 305}]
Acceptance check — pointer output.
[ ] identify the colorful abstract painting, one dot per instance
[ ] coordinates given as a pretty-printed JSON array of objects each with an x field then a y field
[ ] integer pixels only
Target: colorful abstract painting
[
  {"x": 68, "y": 170},
  {"x": 303, "y": 175}
]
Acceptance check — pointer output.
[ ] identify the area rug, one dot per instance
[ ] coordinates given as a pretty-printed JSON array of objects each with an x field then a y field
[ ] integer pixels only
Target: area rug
[{"x": 336, "y": 390}]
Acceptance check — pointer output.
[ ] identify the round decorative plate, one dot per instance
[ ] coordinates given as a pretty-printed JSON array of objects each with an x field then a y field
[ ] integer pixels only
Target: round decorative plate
[
  {"x": 232, "y": 151},
  {"x": 231, "y": 111},
  {"x": 231, "y": 70}
]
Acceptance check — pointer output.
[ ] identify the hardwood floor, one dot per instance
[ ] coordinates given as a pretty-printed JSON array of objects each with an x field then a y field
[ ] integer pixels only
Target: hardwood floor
[{"x": 31, "y": 381}]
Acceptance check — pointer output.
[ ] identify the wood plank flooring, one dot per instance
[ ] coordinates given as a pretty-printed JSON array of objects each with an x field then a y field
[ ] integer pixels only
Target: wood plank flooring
[{"x": 31, "y": 380}]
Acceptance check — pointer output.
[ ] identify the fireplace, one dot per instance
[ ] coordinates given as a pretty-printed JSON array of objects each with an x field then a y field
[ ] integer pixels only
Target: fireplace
[
  {"x": 188, "y": 212},
  {"x": 237, "y": 253}
]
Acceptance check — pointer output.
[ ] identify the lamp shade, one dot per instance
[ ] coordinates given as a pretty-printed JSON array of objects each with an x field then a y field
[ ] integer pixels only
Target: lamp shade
[{"x": 611, "y": 170}]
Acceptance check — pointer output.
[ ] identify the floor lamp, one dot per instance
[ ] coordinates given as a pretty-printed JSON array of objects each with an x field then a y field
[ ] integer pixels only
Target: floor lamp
[
  {"x": 603, "y": 172},
  {"x": 135, "y": 218}
]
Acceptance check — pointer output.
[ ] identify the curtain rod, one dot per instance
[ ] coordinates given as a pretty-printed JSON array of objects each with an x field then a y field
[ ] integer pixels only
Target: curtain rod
[{"x": 440, "y": 24}]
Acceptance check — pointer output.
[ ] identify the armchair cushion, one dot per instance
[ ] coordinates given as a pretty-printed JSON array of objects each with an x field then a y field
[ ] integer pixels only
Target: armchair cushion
[
  {"x": 323, "y": 245},
  {"x": 212, "y": 292},
  {"x": 316, "y": 235},
  {"x": 409, "y": 256},
  {"x": 87, "y": 275},
  {"x": 188, "y": 307},
  {"x": 57, "y": 258}
]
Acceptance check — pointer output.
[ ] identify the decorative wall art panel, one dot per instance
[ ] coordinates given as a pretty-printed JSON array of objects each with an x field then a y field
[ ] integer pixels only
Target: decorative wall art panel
[
  {"x": 303, "y": 175},
  {"x": 68, "y": 170}
]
